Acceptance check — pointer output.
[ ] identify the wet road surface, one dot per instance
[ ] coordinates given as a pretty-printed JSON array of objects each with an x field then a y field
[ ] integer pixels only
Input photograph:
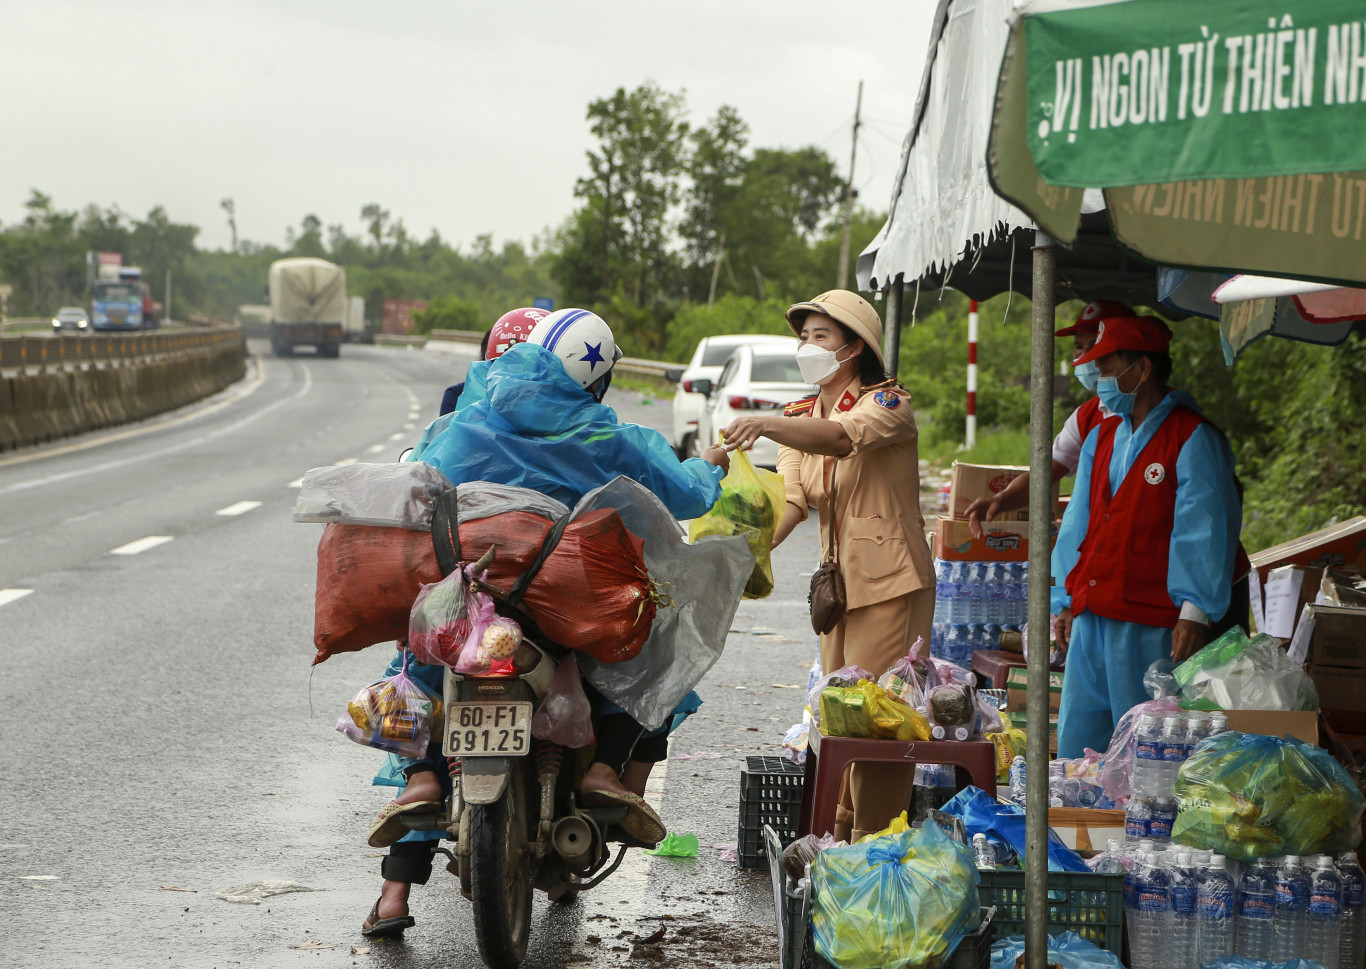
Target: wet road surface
[{"x": 165, "y": 739}]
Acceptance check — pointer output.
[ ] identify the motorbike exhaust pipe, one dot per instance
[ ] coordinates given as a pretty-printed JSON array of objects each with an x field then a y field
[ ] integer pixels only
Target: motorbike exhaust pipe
[{"x": 572, "y": 838}]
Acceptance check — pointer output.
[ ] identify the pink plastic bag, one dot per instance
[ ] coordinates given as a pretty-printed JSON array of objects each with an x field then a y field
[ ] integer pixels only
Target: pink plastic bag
[
  {"x": 1119, "y": 757},
  {"x": 564, "y": 716},
  {"x": 492, "y": 641}
]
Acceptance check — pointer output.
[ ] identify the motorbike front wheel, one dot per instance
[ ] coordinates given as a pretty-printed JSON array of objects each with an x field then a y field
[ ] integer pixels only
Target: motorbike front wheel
[{"x": 501, "y": 877}]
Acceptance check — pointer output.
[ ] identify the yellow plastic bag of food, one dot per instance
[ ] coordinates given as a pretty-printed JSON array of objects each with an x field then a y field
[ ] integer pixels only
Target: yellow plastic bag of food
[
  {"x": 751, "y": 504},
  {"x": 1008, "y": 743},
  {"x": 866, "y": 710},
  {"x": 897, "y": 825}
]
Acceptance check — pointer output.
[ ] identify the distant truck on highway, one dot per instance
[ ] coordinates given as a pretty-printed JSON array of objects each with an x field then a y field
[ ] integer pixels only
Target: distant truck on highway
[
  {"x": 119, "y": 300},
  {"x": 308, "y": 306}
]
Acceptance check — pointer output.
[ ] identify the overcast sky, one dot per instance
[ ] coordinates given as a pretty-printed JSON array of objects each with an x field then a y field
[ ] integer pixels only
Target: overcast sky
[{"x": 464, "y": 117}]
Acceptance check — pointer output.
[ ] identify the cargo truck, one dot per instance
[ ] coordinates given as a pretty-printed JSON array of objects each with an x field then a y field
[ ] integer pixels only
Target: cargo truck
[
  {"x": 355, "y": 320},
  {"x": 116, "y": 298},
  {"x": 308, "y": 306}
]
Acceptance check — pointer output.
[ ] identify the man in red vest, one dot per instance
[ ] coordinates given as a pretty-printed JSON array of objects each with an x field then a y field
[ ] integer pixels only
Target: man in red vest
[{"x": 1149, "y": 540}]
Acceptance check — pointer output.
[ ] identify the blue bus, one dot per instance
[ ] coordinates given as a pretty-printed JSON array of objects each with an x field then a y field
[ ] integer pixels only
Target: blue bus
[{"x": 116, "y": 305}]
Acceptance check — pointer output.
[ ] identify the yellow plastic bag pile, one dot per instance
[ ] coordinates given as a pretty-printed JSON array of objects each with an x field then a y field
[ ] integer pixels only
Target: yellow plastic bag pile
[{"x": 867, "y": 710}]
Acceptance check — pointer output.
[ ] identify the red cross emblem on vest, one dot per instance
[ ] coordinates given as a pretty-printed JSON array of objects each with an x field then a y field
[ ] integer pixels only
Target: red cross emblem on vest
[{"x": 1154, "y": 474}]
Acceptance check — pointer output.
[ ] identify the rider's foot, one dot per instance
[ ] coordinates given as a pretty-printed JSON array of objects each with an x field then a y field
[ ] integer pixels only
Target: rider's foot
[
  {"x": 636, "y": 776},
  {"x": 389, "y": 917},
  {"x": 600, "y": 777},
  {"x": 422, "y": 786},
  {"x": 393, "y": 899}
]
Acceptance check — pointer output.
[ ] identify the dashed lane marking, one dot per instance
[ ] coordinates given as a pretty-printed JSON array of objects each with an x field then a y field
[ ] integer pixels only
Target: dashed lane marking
[
  {"x": 296, "y": 483},
  {"x": 11, "y": 595},
  {"x": 238, "y": 508},
  {"x": 142, "y": 545},
  {"x": 344, "y": 462},
  {"x": 376, "y": 448},
  {"x": 397, "y": 436},
  {"x": 409, "y": 426}
]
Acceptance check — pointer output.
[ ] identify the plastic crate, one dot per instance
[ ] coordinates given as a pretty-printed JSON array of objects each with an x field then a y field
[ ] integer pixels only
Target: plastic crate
[
  {"x": 1089, "y": 904},
  {"x": 770, "y": 794}
]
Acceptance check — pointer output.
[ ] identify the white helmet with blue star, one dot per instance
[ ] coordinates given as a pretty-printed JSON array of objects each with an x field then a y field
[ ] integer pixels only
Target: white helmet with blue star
[{"x": 583, "y": 342}]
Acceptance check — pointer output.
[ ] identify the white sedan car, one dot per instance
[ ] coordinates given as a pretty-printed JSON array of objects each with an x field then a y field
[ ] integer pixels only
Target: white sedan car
[
  {"x": 762, "y": 376},
  {"x": 71, "y": 318},
  {"x": 706, "y": 363}
]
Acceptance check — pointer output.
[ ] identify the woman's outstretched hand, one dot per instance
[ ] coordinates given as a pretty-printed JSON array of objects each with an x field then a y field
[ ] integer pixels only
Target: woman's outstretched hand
[{"x": 744, "y": 431}]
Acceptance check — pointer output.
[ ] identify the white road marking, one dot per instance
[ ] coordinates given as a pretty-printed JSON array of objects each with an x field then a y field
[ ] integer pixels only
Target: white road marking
[
  {"x": 397, "y": 436},
  {"x": 238, "y": 508},
  {"x": 296, "y": 483},
  {"x": 10, "y": 595},
  {"x": 376, "y": 448},
  {"x": 409, "y": 426},
  {"x": 150, "y": 456},
  {"x": 344, "y": 462},
  {"x": 142, "y": 545}
]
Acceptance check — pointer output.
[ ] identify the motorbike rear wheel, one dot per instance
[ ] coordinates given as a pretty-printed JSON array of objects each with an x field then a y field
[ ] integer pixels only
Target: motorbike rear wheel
[{"x": 501, "y": 877}]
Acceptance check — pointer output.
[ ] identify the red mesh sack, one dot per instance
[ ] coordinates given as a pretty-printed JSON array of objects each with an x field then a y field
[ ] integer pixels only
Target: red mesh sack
[
  {"x": 368, "y": 578},
  {"x": 593, "y": 593}
]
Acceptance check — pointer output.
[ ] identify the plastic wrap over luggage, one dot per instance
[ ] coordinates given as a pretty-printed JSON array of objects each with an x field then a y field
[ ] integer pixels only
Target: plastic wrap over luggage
[
  {"x": 704, "y": 583},
  {"x": 1118, "y": 762},
  {"x": 899, "y": 902},
  {"x": 400, "y": 495},
  {"x": 1066, "y": 950},
  {"x": 1238, "y": 673},
  {"x": 1250, "y": 796}
]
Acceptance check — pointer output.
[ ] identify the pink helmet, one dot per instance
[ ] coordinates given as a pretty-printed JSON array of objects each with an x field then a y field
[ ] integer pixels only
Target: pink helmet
[{"x": 512, "y": 327}]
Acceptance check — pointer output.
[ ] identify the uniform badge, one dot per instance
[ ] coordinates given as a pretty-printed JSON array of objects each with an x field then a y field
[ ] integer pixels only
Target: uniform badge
[
  {"x": 848, "y": 400},
  {"x": 887, "y": 399},
  {"x": 1154, "y": 474}
]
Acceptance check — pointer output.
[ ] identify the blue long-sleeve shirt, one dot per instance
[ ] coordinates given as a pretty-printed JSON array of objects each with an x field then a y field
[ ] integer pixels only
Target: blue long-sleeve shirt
[{"x": 1208, "y": 517}]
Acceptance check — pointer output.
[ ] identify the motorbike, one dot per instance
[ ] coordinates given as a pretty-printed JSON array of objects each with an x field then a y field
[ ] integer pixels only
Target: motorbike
[{"x": 514, "y": 813}]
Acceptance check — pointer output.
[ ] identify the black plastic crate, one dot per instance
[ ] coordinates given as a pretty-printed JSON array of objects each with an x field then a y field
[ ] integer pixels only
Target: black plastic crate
[
  {"x": 770, "y": 794},
  {"x": 1089, "y": 904}
]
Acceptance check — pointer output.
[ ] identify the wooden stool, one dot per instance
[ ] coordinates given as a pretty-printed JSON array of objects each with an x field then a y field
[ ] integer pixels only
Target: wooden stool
[
  {"x": 827, "y": 757},
  {"x": 995, "y": 665}
]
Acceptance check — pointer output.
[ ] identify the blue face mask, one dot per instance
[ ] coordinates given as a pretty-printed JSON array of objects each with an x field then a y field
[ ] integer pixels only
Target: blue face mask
[
  {"x": 1116, "y": 400},
  {"x": 1087, "y": 374}
]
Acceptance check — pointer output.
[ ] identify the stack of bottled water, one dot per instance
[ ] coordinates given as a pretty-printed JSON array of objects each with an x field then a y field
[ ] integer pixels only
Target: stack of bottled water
[
  {"x": 974, "y": 603},
  {"x": 1148, "y": 912},
  {"x": 1182, "y": 874},
  {"x": 1018, "y": 780},
  {"x": 1258, "y": 917},
  {"x": 1214, "y": 911},
  {"x": 1163, "y": 744},
  {"x": 1291, "y": 886},
  {"x": 1352, "y": 941}
]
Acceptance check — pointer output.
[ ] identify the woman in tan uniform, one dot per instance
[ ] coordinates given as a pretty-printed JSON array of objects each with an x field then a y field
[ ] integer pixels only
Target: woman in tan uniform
[{"x": 850, "y": 452}]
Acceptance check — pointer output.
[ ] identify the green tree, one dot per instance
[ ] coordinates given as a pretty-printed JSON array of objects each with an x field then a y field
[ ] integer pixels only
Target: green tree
[
  {"x": 716, "y": 169},
  {"x": 450, "y": 313}
]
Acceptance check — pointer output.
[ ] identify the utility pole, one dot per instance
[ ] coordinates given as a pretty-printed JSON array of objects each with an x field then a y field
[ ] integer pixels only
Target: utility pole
[
  {"x": 842, "y": 276},
  {"x": 166, "y": 310},
  {"x": 716, "y": 269}
]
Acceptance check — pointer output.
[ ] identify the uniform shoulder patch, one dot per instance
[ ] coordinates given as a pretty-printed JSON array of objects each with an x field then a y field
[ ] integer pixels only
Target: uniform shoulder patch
[
  {"x": 887, "y": 399},
  {"x": 798, "y": 408}
]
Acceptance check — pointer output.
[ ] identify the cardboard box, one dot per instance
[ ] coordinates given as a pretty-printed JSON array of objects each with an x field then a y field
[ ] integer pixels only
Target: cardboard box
[
  {"x": 968, "y": 482},
  {"x": 1000, "y": 541},
  {"x": 1086, "y": 829},
  {"x": 1300, "y": 724},
  {"x": 1338, "y": 638},
  {"x": 1341, "y": 544},
  {"x": 1017, "y": 695},
  {"x": 1340, "y": 690}
]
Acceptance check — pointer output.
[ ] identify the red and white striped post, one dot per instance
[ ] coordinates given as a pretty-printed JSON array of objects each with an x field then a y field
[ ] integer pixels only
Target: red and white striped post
[{"x": 972, "y": 374}]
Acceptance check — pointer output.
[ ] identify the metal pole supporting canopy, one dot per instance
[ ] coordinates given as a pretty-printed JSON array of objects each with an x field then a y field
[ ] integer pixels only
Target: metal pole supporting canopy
[{"x": 1040, "y": 548}]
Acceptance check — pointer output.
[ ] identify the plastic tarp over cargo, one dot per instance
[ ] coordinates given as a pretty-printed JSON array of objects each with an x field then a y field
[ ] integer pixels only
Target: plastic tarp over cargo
[
  {"x": 401, "y": 494},
  {"x": 306, "y": 290},
  {"x": 705, "y": 582}
]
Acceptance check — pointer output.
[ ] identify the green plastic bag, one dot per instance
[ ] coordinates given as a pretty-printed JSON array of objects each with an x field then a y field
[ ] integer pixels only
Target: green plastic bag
[
  {"x": 751, "y": 504},
  {"x": 675, "y": 846},
  {"x": 1250, "y": 796},
  {"x": 900, "y": 902}
]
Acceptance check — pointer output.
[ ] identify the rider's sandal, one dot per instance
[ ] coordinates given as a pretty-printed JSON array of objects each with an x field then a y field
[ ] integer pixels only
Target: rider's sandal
[
  {"x": 389, "y": 827},
  {"x": 375, "y": 927},
  {"x": 641, "y": 821}
]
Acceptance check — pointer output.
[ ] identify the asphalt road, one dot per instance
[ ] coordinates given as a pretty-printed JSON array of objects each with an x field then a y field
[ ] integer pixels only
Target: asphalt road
[{"x": 165, "y": 739}]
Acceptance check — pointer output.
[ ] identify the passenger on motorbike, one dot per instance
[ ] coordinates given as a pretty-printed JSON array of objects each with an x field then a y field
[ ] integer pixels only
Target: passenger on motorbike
[{"x": 538, "y": 422}]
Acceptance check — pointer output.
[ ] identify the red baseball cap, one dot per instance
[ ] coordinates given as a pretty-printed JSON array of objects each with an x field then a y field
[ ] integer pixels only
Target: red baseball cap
[
  {"x": 1091, "y": 315},
  {"x": 1128, "y": 333}
]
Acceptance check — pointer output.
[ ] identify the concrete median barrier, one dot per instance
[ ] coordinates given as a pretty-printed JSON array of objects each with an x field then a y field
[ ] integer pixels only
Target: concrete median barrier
[{"x": 42, "y": 405}]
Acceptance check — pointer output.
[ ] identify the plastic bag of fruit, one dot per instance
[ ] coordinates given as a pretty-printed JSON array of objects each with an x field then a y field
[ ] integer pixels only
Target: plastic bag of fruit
[{"x": 751, "y": 504}]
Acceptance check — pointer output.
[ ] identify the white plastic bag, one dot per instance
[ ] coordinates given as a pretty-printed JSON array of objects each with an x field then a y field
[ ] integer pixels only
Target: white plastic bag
[
  {"x": 565, "y": 716},
  {"x": 399, "y": 495}
]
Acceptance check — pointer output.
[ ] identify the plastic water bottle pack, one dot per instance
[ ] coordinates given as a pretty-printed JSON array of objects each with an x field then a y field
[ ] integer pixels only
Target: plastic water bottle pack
[{"x": 975, "y": 603}]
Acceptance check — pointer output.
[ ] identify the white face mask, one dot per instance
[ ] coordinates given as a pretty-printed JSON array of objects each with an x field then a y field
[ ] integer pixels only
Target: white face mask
[{"x": 818, "y": 364}]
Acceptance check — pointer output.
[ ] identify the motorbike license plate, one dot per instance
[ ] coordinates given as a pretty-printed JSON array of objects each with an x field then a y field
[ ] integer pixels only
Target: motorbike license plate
[{"x": 488, "y": 729}]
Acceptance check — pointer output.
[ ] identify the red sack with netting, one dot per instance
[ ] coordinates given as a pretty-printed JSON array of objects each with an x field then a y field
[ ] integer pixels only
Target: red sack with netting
[{"x": 593, "y": 593}]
